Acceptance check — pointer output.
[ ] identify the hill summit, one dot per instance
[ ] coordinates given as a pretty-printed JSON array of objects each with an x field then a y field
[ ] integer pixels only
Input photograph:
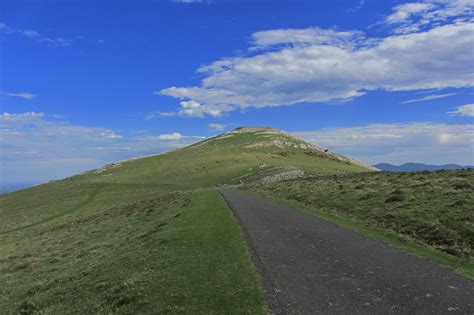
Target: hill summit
[
  {"x": 245, "y": 153},
  {"x": 272, "y": 138}
]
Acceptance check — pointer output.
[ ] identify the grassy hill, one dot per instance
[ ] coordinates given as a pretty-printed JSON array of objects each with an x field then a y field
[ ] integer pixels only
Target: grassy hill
[{"x": 149, "y": 234}]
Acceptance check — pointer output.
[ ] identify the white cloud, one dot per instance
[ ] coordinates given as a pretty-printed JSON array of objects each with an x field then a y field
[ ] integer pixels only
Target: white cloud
[
  {"x": 306, "y": 37},
  {"x": 189, "y": 105},
  {"x": 218, "y": 127},
  {"x": 32, "y": 127},
  {"x": 35, "y": 35},
  {"x": 40, "y": 38},
  {"x": 171, "y": 136},
  {"x": 56, "y": 42},
  {"x": 404, "y": 12},
  {"x": 416, "y": 16},
  {"x": 400, "y": 143},
  {"x": 357, "y": 7},
  {"x": 30, "y": 33},
  {"x": 37, "y": 147},
  {"x": 25, "y": 95},
  {"x": 152, "y": 115},
  {"x": 313, "y": 65},
  {"x": 109, "y": 134},
  {"x": 465, "y": 110},
  {"x": 192, "y": 108},
  {"x": 8, "y": 119},
  {"x": 429, "y": 98},
  {"x": 191, "y": 1}
]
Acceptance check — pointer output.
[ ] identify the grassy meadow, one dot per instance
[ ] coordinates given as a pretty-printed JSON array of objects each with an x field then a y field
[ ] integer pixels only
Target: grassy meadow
[
  {"x": 151, "y": 235},
  {"x": 430, "y": 214},
  {"x": 146, "y": 235},
  {"x": 179, "y": 252}
]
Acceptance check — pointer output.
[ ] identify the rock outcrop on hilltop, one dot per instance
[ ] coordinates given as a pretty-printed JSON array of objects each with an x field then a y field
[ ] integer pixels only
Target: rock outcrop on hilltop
[{"x": 283, "y": 140}]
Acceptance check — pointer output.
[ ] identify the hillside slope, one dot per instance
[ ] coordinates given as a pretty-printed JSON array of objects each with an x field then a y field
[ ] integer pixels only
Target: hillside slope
[
  {"x": 245, "y": 153},
  {"x": 146, "y": 234},
  {"x": 224, "y": 159}
]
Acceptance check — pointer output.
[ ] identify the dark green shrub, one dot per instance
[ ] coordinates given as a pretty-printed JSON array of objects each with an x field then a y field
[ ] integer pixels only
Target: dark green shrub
[
  {"x": 396, "y": 196},
  {"x": 367, "y": 196},
  {"x": 462, "y": 184}
]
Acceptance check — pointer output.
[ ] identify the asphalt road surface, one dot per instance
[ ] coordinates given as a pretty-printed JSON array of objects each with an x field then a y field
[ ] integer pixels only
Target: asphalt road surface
[{"x": 310, "y": 266}]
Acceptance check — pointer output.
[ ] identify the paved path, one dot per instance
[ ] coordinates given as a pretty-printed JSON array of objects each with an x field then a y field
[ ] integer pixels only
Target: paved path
[{"x": 310, "y": 266}]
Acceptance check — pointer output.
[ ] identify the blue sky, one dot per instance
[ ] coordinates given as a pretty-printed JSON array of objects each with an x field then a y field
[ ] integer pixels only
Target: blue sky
[{"x": 83, "y": 83}]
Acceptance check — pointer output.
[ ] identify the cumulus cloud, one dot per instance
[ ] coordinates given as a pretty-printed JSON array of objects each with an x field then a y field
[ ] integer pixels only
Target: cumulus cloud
[
  {"x": 291, "y": 66},
  {"x": 399, "y": 143},
  {"x": 171, "y": 136},
  {"x": 465, "y": 110},
  {"x": 218, "y": 127},
  {"x": 192, "y": 108},
  {"x": 429, "y": 98},
  {"x": 24, "y": 95}
]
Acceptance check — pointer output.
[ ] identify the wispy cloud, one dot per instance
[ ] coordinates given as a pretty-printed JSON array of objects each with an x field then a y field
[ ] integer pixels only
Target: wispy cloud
[
  {"x": 399, "y": 143},
  {"x": 36, "y": 146},
  {"x": 152, "y": 115},
  {"x": 40, "y": 38},
  {"x": 304, "y": 37},
  {"x": 192, "y": 1},
  {"x": 218, "y": 127},
  {"x": 465, "y": 110},
  {"x": 357, "y": 7},
  {"x": 24, "y": 95},
  {"x": 5, "y": 29},
  {"x": 415, "y": 16},
  {"x": 35, "y": 35},
  {"x": 8, "y": 119},
  {"x": 429, "y": 98},
  {"x": 292, "y": 66}
]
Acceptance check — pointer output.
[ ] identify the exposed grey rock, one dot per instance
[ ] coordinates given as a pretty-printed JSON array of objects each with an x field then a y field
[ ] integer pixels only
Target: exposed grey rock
[{"x": 284, "y": 173}]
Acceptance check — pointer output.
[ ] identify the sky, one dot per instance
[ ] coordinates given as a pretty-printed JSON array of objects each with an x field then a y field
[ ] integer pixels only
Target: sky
[{"x": 85, "y": 83}]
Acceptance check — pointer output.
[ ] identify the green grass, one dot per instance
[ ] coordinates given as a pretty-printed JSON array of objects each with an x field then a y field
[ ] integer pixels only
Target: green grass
[
  {"x": 429, "y": 214},
  {"x": 180, "y": 252},
  {"x": 217, "y": 161},
  {"x": 144, "y": 236},
  {"x": 151, "y": 236}
]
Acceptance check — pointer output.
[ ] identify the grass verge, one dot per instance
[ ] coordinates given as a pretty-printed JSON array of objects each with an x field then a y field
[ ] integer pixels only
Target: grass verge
[{"x": 179, "y": 252}]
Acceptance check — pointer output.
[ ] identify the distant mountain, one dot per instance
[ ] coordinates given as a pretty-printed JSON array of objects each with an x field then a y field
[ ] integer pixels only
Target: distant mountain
[{"x": 417, "y": 167}]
